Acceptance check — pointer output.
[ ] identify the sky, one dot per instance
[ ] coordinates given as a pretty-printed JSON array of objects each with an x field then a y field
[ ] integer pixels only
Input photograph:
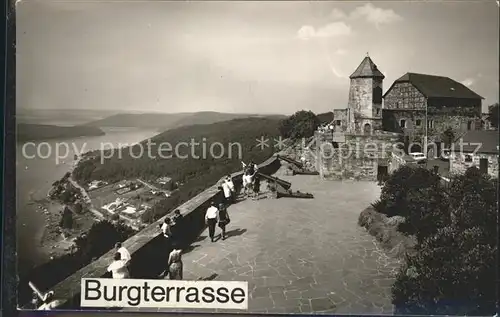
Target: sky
[{"x": 258, "y": 57}]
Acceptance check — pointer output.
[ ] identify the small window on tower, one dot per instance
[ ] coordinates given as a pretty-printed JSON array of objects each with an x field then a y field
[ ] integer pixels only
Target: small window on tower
[
  {"x": 378, "y": 111},
  {"x": 402, "y": 123},
  {"x": 418, "y": 123}
]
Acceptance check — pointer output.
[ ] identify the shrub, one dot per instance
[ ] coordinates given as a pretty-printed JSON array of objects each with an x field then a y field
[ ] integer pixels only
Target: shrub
[
  {"x": 405, "y": 180},
  {"x": 426, "y": 212},
  {"x": 452, "y": 271}
]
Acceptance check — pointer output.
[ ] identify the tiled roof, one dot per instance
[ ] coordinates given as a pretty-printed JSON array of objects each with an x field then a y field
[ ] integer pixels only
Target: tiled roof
[
  {"x": 367, "y": 69},
  {"x": 486, "y": 140},
  {"x": 438, "y": 86}
]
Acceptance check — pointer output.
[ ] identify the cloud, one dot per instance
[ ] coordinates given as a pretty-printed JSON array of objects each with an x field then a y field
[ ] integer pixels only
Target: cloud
[
  {"x": 330, "y": 30},
  {"x": 338, "y": 14},
  {"x": 468, "y": 82},
  {"x": 374, "y": 15}
]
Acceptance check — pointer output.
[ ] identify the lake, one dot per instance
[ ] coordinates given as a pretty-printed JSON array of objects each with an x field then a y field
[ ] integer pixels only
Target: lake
[{"x": 35, "y": 174}]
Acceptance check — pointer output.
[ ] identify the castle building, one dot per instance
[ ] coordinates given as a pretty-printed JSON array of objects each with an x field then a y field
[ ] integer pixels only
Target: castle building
[
  {"x": 357, "y": 148},
  {"x": 418, "y": 105},
  {"x": 364, "y": 109}
]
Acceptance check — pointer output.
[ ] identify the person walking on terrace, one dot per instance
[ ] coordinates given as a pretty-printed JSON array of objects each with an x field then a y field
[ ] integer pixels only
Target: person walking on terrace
[
  {"x": 256, "y": 186},
  {"x": 118, "y": 267},
  {"x": 211, "y": 220},
  {"x": 125, "y": 255},
  {"x": 166, "y": 228},
  {"x": 175, "y": 264},
  {"x": 230, "y": 183},
  {"x": 227, "y": 191},
  {"x": 223, "y": 220},
  {"x": 247, "y": 183}
]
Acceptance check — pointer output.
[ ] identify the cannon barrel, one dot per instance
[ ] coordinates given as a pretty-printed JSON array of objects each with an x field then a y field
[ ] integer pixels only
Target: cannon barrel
[
  {"x": 289, "y": 160},
  {"x": 286, "y": 185}
]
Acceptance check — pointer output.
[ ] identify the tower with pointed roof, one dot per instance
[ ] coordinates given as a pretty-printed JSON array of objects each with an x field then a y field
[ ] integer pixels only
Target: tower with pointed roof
[{"x": 365, "y": 97}]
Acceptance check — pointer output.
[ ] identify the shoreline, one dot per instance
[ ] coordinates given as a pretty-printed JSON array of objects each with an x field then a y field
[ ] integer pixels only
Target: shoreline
[{"x": 52, "y": 242}]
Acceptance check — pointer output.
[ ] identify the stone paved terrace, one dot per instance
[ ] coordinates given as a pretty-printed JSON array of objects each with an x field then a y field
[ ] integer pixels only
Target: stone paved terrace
[{"x": 301, "y": 255}]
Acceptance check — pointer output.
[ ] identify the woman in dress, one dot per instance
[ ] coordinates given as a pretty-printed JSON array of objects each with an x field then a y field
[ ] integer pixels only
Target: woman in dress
[
  {"x": 223, "y": 219},
  {"x": 175, "y": 264}
]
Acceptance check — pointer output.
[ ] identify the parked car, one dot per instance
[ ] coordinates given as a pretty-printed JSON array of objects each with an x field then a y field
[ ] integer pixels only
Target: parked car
[
  {"x": 445, "y": 154},
  {"x": 419, "y": 157}
]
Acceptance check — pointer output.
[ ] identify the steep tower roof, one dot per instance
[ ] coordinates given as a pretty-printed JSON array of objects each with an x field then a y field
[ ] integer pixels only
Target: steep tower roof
[{"x": 367, "y": 69}]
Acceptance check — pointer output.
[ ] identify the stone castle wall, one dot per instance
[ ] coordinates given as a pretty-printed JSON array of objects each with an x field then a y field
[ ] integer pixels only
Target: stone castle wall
[
  {"x": 438, "y": 123},
  {"x": 361, "y": 96},
  {"x": 354, "y": 156}
]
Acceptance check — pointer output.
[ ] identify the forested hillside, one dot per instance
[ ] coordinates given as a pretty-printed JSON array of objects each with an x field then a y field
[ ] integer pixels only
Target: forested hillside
[
  {"x": 165, "y": 121},
  {"x": 196, "y": 170}
]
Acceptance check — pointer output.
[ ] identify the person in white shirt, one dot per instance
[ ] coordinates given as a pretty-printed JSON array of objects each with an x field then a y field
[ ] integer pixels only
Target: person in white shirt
[
  {"x": 119, "y": 267},
  {"x": 125, "y": 255},
  {"x": 229, "y": 181},
  {"x": 227, "y": 191},
  {"x": 166, "y": 228},
  {"x": 211, "y": 220},
  {"x": 247, "y": 183}
]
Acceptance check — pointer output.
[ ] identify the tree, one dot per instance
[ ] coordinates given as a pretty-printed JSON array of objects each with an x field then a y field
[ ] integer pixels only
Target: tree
[
  {"x": 451, "y": 272},
  {"x": 493, "y": 114},
  {"x": 301, "y": 124},
  {"x": 66, "y": 219},
  {"x": 101, "y": 237}
]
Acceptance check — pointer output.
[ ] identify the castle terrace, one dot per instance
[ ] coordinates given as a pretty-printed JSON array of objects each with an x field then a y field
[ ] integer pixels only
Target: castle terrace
[{"x": 300, "y": 255}]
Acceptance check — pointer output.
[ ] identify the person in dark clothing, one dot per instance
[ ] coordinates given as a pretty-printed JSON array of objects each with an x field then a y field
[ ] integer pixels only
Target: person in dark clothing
[
  {"x": 256, "y": 186},
  {"x": 177, "y": 216},
  {"x": 176, "y": 228},
  {"x": 223, "y": 220},
  {"x": 211, "y": 217}
]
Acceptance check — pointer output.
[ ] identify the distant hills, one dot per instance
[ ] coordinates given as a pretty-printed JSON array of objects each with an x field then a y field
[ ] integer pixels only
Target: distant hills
[
  {"x": 165, "y": 121},
  {"x": 60, "y": 117},
  {"x": 37, "y": 132}
]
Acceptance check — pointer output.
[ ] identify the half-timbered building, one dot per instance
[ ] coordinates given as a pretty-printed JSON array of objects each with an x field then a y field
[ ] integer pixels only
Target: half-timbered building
[{"x": 419, "y": 104}]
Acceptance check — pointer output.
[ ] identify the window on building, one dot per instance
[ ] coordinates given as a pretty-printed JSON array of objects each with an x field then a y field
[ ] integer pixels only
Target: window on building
[
  {"x": 430, "y": 124},
  {"x": 418, "y": 123},
  {"x": 402, "y": 123},
  {"x": 483, "y": 165},
  {"x": 378, "y": 111},
  {"x": 338, "y": 122},
  {"x": 377, "y": 95}
]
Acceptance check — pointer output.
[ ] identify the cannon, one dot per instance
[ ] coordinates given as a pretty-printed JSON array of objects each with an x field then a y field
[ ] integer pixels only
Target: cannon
[
  {"x": 289, "y": 160},
  {"x": 290, "y": 194},
  {"x": 305, "y": 172},
  {"x": 286, "y": 185}
]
